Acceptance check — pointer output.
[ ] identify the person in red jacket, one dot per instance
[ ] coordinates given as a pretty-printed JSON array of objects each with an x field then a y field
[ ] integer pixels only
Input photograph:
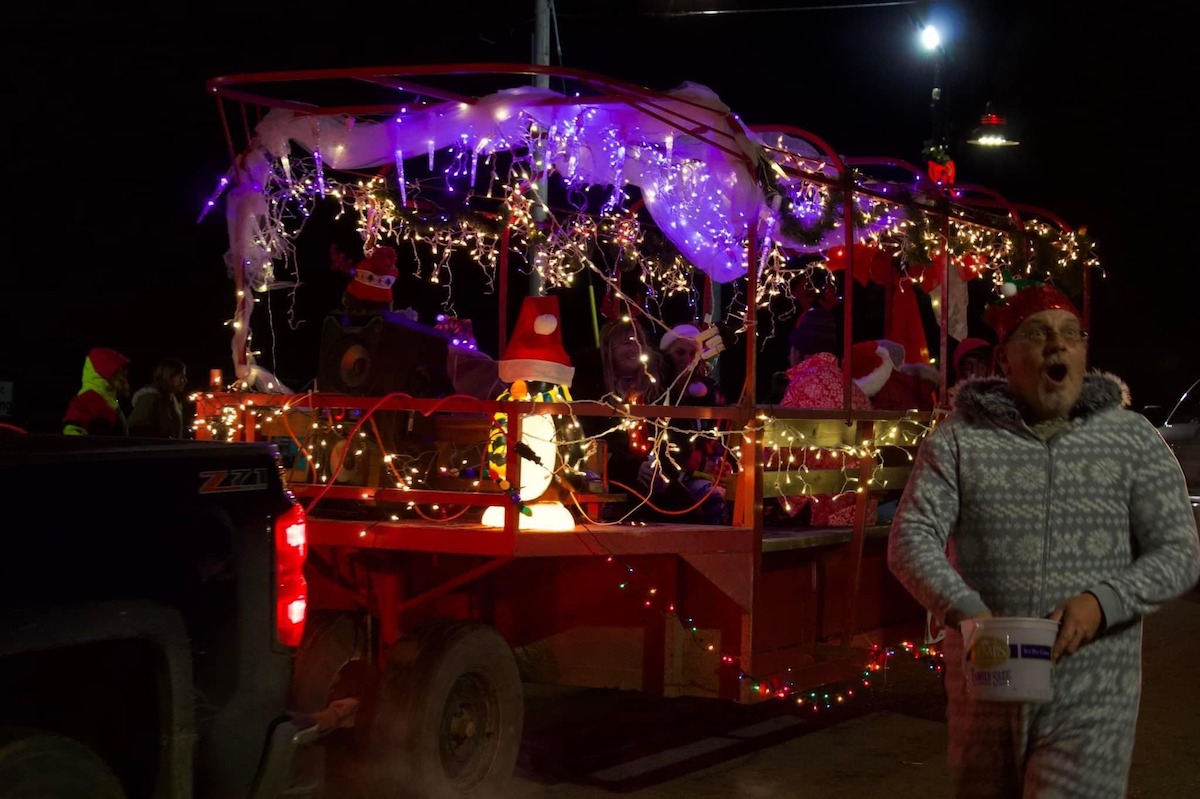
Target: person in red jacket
[{"x": 96, "y": 409}]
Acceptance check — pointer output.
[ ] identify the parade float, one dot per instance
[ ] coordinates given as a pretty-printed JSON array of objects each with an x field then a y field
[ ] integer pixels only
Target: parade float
[{"x": 642, "y": 201}]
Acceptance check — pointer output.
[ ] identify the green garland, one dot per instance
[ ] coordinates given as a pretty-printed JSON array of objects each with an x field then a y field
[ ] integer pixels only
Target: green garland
[
  {"x": 915, "y": 249},
  {"x": 832, "y": 205},
  {"x": 937, "y": 153}
]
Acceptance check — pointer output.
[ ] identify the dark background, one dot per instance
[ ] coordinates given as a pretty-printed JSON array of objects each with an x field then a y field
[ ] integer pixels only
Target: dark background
[{"x": 111, "y": 145}]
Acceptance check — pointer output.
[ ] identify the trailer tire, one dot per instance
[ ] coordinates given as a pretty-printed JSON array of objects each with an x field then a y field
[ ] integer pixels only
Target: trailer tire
[
  {"x": 43, "y": 765},
  {"x": 450, "y": 714}
]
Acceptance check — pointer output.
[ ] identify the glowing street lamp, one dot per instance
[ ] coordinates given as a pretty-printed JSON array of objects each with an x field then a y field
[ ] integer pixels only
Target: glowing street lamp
[{"x": 931, "y": 38}]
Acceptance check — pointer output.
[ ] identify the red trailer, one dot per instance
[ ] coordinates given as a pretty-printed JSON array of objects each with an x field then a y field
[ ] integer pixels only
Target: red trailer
[{"x": 416, "y": 607}]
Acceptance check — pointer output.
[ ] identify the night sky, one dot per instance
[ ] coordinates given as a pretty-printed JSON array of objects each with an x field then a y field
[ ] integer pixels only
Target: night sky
[{"x": 112, "y": 144}]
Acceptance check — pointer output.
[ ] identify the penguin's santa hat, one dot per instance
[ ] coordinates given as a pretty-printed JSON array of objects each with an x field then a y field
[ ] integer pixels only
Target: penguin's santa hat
[{"x": 535, "y": 351}]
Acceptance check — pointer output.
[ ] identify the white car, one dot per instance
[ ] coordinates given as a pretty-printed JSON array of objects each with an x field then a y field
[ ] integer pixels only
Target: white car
[{"x": 1181, "y": 431}]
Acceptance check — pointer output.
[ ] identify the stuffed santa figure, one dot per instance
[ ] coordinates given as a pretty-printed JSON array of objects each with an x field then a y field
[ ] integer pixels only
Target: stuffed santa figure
[
  {"x": 370, "y": 286},
  {"x": 904, "y": 386},
  {"x": 871, "y": 367}
]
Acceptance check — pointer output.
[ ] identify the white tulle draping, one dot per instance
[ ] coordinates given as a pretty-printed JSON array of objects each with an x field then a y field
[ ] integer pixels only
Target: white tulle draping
[
  {"x": 696, "y": 166},
  {"x": 699, "y": 189}
]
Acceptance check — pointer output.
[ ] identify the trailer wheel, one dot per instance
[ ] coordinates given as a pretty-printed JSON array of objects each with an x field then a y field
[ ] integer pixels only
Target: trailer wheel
[
  {"x": 43, "y": 765},
  {"x": 449, "y": 717}
]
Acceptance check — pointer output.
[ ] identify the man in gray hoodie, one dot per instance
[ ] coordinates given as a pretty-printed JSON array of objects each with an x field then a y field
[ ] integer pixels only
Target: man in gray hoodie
[{"x": 1041, "y": 496}]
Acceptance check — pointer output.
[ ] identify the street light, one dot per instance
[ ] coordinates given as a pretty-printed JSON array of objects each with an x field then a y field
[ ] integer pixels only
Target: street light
[{"x": 992, "y": 131}]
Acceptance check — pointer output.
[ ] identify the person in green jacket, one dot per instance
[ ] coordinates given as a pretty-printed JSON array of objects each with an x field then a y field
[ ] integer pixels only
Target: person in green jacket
[
  {"x": 96, "y": 408},
  {"x": 1042, "y": 496}
]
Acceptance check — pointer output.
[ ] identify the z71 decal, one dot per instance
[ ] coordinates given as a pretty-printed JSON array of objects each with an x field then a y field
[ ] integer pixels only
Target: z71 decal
[{"x": 222, "y": 481}]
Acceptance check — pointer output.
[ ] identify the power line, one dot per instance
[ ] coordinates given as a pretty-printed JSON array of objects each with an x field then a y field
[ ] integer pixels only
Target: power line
[{"x": 730, "y": 11}]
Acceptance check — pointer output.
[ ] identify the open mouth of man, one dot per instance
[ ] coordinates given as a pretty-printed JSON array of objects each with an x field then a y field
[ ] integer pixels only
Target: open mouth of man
[{"x": 1056, "y": 373}]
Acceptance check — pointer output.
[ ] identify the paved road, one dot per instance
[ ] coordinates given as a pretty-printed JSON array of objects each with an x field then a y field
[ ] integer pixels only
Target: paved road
[{"x": 598, "y": 744}]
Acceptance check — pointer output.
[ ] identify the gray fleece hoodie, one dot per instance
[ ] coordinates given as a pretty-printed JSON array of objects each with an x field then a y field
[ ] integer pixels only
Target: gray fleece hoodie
[{"x": 996, "y": 518}]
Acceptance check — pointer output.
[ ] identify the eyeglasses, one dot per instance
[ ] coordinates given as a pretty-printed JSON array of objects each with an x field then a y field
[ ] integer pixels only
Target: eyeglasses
[{"x": 1039, "y": 334}]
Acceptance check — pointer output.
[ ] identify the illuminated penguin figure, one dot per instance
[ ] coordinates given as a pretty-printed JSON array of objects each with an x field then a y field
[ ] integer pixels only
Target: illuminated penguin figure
[{"x": 537, "y": 369}]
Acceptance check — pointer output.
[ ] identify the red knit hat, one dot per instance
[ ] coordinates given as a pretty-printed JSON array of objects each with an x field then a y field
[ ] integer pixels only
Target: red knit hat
[
  {"x": 374, "y": 276},
  {"x": 1006, "y": 316},
  {"x": 535, "y": 351},
  {"x": 106, "y": 362},
  {"x": 870, "y": 365},
  {"x": 966, "y": 347}
]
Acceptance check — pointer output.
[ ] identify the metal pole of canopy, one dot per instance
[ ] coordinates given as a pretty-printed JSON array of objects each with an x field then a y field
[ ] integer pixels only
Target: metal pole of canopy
[
  {"x": 748, "y": 397},
  {"x": 949, "y": 295},
  {"x": 848, "y": 289},
  {"x": 541, "y": 40}
]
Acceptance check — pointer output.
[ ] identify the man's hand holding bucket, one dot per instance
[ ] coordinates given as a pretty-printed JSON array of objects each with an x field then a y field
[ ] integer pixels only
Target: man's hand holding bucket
[{"x": 1079, "y": 618}]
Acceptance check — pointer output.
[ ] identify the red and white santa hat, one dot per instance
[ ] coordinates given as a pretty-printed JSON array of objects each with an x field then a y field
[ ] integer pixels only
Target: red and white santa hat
[
  {"x": 535, "y": 351},
  {"x": 871, "y": 365},
  {"x": 374, "y": 276}
]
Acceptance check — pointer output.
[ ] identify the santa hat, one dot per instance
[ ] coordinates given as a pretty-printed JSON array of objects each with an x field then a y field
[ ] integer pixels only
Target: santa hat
[
  {"x": 870, "y": 366},
  {"x": 967, "y": 346},
  {"x": 106, "y": 362},
  {"x": 1019, "y": 304},
  {"x": 679, "y": 331},
  {"x": 535, "y": 351},
  {"x": 374, "y": 276}
]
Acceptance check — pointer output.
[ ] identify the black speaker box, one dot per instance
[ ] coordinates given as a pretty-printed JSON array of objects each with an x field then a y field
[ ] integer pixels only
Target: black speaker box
[{"x": 383, "y": 353}]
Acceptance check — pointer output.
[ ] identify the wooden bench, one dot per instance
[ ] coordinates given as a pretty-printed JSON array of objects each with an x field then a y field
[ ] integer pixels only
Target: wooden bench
[{"x": 777, "y": 539}]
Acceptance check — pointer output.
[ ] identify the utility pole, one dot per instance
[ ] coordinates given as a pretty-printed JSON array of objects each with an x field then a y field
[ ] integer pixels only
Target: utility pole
[
  {"x": 935, "y": 104},
  {"x": 541, "y": 40},
  {"x": 541, "y": 56}
]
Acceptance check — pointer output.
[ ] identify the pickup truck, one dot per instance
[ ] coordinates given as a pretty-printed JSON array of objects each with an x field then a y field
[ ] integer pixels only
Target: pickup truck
[
  {"x": 1181, "y": 430},
  {"x": 151, "y": 596}
]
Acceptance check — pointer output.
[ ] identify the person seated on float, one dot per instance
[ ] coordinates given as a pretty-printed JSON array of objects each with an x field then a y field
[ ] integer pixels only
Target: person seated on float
[
  {"x": 817, "y": 330},
  {"x": 814, "y": 380},
  {"x": 819, "y": 324},
  {"x": 972, "y": 358},
  {"x": 696, "y": 456},
  {"x": 625, "y": 370}
]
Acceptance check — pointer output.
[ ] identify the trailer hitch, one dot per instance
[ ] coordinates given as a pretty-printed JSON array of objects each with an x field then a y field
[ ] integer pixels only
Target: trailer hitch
[{"x": 341, "y": 714}]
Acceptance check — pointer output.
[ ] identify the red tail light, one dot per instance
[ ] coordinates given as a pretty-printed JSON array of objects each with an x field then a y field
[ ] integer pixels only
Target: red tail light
[{"x": 291, "y": 589}]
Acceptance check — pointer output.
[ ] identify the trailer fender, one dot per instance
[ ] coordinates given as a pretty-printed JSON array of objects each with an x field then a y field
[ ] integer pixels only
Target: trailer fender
[{"x": 331, "y": 642}]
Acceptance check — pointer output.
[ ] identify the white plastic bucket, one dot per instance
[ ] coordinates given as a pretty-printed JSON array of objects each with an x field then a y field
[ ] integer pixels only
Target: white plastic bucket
[{"x": 1007, "y": 659}]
